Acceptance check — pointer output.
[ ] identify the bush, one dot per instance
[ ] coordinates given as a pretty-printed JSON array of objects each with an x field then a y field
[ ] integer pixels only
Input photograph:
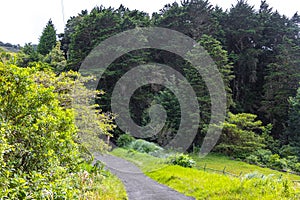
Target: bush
[
  {"x": 241, "y": 135},
  {"x": 296, "y": 167},
  {"x": 181, "y": 160},
  {"x": 253, "y": 159},
  {"x": 288, "y": 150},
  {"x": 40, "y": 156},
  {"x": 144, "y": 146},
  {"x": 125, "y": 140},
  {"x": 266, "y": 158},
  {"x": 260, "y": 157},
  {"x": 276, "y": 162}
]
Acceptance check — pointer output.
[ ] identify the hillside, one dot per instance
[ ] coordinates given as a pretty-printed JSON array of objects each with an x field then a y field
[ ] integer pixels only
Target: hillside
[{"x": 9, "y": 47}]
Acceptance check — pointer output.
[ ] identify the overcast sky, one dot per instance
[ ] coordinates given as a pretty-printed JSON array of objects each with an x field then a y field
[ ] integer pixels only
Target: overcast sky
[{"x": 22, "y": 21}]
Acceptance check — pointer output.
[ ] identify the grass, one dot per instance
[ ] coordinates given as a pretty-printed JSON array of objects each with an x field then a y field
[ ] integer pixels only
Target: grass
[
  {"x": 203, "y": 185},
  {"x": 99, "y": 186},
  {"x": 111, "y": 188},
  {"x": 207, "y": 185},
  {"x": 144, "y": 161},
  {"x": 219, "y": 162}
]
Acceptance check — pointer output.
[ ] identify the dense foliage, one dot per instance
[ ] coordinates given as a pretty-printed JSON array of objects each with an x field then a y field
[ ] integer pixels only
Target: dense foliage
[
  {"x": 43, "y": 153},
  {"x": 257, "y": 52},
  {"x": 48, "y": 132},
  {"x": 240, "y": 136}
]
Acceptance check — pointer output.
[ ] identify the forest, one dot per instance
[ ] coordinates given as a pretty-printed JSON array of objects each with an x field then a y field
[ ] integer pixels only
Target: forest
[{"x": 48, "y": 132}]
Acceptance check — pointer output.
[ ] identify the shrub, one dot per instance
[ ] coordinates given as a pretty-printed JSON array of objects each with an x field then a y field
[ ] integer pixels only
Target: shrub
[
  {"x": 40, "y": 153},
  {"x": 241, "y": 135},
  {"x": 125, "y": 140},
  {"x": 260, "y": 157},
  {"x": 253, "y": 159},
  {"x": 276, "y": 162},
  {"x": 144, "y": 146},
  {"x": 288, "y": 150},
  {"x": 296, "y": 167},
  {"x": 181, "y": 160}
]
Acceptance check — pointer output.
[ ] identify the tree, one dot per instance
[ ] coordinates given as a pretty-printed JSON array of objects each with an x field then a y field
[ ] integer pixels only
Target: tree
[
  {"x": 167, "y": 99},
  {"x": 193, "y": 18},
  {"x": 281, "y": 82},
  {"x": 28, "y": 54},
  {"x": 242, "y": 135},
  {"x": 56, "y": 58},
  {"x": 48, "y": 39},
  {"x": 241, "y": 34},
  {"x": 89, "y": 29},
  {"x": 293, "y": 129}
]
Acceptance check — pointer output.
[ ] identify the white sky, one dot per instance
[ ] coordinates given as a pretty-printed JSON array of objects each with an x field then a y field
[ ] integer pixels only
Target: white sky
[{"x": 22, "y": 21}]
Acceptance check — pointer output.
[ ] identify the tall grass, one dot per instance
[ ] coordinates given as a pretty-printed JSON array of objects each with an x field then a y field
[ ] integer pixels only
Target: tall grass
[
  {"x": 208, "y": 185},
  {"x": 204, "y": 185}
]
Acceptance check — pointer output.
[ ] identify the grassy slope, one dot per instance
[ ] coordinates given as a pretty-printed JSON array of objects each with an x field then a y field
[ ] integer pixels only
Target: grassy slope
[
  {"x": 204, "y": 185},
  {"x": 218, "y": 162}
]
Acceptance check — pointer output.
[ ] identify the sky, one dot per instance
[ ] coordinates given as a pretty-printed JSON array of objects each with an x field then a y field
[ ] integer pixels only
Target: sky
[{"x": 22, "y": 21}]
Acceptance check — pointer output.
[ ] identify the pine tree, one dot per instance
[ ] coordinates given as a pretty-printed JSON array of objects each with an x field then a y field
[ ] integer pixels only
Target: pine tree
[
  {"x": 48, "y": 39},
  {"x": 241, "y": 33},
  {"x": 193, "y": 18},
  {"x": 293, "y": 130},
  {"x": 56, "y": 58},
  {"x": 281, "y": 83}
]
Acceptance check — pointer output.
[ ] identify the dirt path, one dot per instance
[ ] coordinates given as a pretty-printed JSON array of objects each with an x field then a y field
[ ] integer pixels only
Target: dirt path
[{"x": 139, "y": 186}]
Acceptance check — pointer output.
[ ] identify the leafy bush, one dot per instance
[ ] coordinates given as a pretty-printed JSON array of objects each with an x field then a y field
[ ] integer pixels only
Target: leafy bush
[
  {"x": 181, "y": 160},
  {"x": 144, "y": 146},
  {"x": 39, "y": 145},
  {"x": 252, "y": 159},
  {"x": 266, "y": 158},
  {"x": 240, "y": 136},
  {"x": 296, "y": 167},
  {"x": 260, "y": 157},
  {"x": 256, "y": 175},
  {"x": 288, "y": 150},
  {"x": 125, "y": 140},
  {"x": 276, "y": 162}
]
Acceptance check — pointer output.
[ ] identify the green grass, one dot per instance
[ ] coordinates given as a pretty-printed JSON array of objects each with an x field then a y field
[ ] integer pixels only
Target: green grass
[
  {"x": 218, "y": 162},
  {"x": 111, "y": 188},
  {"x": 99, "y": 186},
  {"x": 203, "y": 185},
  {"x": 208, "y": 185},
  {"x": 144, "y": 161}
]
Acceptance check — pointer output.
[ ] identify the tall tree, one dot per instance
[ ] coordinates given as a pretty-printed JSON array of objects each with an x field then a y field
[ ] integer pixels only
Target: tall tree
[
  {"x": 241, "y": 32},
  {"x": 48, "y": 39},
  {"x": 167, "y": 99},
  {"x": 92, "y": 28},
  {"x": 281, "y": 83},
  {"x": 193, "y": 18},
  {"x": 293, "y": 130}
]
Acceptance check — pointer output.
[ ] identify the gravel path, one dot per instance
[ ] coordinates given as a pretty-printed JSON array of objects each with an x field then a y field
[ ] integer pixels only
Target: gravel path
[{"x": 139, "y": 186}]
